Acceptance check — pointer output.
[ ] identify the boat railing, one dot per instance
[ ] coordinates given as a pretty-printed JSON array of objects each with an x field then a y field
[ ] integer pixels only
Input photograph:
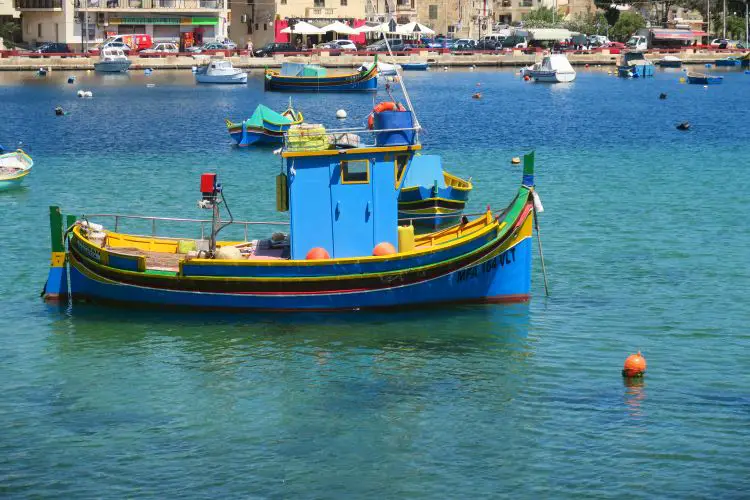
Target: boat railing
[
  {"x": 343, "y": 136},
  {"x": 118, "y": 218}
]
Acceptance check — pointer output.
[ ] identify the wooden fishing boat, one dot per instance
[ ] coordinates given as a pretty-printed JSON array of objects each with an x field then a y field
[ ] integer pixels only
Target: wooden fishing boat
[
  {"x": 431, "y": 197},
  {"x": 14, "y": 167},
  {"x": 670, "y": 61},
  {"x": 703, "y": 79},
  {"x": 415, "y": 66},
  {"x": 344, "y": 249},
  {"x": 265, "y": 126},
  {"x": 728, "y": 62},
  {"x": 635, "y": 65},
  {"x": 295, "y": 77}
]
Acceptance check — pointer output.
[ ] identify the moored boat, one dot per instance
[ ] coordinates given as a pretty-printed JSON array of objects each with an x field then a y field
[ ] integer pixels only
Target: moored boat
[
  {"x": 431, "y": 197},
  {"x": 384, "y": 69},
  {"x": 728, "y": 62},
  {"x": 264, "y": 126},
  {"x": 297, "y": 77},
  {"x": 112, "y": 61},
  {"x": 415, "y": 66},
  {"x": 220, "y": 71},
  {"x": 704, "y": 79},
  {"x": 554, "y": 68},
  {"x": 635, "y": 65},
  {"x": 670, "y": 62},
  {"x": 344, "y": 248},
  {"x": 14, "y": 167}
]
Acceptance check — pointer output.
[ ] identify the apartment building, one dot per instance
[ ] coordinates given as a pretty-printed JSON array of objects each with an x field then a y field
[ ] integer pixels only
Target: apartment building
[
  {"x": 84, "y": 23},
  {"x": 457, "y": 18},
  {"x": 261, "y": 21}
]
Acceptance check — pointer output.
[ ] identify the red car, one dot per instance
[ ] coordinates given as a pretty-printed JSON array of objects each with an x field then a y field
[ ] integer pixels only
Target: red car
[{"x": 614, "y": 47}]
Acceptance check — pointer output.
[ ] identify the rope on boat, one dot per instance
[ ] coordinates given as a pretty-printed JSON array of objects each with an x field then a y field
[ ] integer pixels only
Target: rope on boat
[{"x": 538, "y": 208}]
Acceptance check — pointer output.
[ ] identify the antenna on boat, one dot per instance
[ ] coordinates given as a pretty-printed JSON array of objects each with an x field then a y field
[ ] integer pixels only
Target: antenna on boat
[{"x": 392, "y": 28}]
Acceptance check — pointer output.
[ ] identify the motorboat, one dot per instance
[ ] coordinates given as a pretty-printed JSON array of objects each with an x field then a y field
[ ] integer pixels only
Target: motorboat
[
  {"x": 415, "y": 66},
  {"x": 384, "y": 69},
  {"x": 220, "y": 71},
  {"x": 14, "y": 167},
  {"x": 112, "y": 61},
  {"x": 554, "y": 68},
  {"x": 670, "y": 62},
  {"x": 635, "y": 65}
]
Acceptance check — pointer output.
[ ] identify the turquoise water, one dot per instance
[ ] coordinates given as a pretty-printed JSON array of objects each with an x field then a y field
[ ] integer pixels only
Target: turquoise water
[{"x": 646, "y": 247}]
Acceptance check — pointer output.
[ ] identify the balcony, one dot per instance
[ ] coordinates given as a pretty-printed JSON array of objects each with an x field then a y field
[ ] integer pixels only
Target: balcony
[
  {"x": 506, "y": 4},
  {"x": 38, "y": 4},
  {"x": 146, "y": 5},
  {"x": 322, "y": 12}
]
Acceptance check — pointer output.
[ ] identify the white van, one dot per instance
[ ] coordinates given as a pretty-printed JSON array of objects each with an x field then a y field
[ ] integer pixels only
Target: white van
[{"x": 637, "y": 43}]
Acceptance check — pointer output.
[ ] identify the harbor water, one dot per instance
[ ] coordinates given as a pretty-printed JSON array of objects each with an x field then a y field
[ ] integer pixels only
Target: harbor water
[{"x": 646, "y": 248}]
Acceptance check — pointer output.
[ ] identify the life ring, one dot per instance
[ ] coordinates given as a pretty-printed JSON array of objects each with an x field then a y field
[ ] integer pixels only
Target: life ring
[{"x": 383, "y": 106}]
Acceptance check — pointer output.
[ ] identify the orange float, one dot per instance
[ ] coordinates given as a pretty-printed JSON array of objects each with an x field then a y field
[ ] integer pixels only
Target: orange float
[
  {"x": 383, "y": 106},
  {"x": 383, "y": 248},
  {"x": 635, "y": 366},
  {"x": 317, "y": 253}
]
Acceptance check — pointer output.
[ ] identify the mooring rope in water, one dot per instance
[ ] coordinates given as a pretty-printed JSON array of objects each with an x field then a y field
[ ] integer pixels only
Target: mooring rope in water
[{"x": 541, "y": 252}]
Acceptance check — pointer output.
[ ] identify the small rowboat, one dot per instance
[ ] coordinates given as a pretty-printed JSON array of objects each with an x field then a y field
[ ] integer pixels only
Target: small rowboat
[
  {"x": 415, "y": 66},
  {"x": 728, "y": 61},
  {"x": 704, "y": 79},
  {"x": 264, "y": 126},
  {"x": 670, "y": 62},
  {"x": 13, "y": 168}
]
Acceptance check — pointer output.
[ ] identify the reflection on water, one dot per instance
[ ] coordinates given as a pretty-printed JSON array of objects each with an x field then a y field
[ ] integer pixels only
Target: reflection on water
[{"x": 635, "y": 396}]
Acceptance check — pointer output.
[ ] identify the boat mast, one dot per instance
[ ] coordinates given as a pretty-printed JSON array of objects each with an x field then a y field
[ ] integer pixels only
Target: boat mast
[{"x": 392, "y": 27}]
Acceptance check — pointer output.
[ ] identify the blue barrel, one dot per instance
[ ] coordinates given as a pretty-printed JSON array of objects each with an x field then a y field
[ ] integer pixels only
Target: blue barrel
[{"x": 390, "y": 120}]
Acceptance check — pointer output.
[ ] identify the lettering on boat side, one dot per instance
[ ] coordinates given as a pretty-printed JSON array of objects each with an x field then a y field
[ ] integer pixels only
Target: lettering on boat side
[
  {"x": 88, "y": 251},
  {"x": 505, "y": 258}
]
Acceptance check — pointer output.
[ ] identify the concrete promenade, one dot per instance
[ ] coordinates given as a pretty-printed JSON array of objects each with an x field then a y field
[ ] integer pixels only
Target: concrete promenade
[{"x": 516, "y": 58}]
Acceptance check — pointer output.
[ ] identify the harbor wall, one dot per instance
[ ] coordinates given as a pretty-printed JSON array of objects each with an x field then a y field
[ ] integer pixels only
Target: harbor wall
[{"x": 13, "y": 62}]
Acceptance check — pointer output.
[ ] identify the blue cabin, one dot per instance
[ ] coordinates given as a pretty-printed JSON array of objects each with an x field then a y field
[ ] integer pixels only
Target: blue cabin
[{"x": 345, "y": 199}]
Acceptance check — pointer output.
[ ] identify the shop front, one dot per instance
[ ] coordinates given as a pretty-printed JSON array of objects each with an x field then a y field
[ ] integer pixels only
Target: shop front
[{"x": 187, "y": 31}]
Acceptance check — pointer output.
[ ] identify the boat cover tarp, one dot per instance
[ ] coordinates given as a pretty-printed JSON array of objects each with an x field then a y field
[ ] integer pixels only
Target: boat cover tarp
[
  {"x": 262, "y": 113},
  {"x": 424, "y": 171},
  {"x": 301, "y": 69},
  {"x": 549, "y": 34},
  {"x": 557, "y": 62}
]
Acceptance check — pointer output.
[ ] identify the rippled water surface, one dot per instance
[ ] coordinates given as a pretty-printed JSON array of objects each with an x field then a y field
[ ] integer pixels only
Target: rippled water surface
[{"x": 646, "y": 245}]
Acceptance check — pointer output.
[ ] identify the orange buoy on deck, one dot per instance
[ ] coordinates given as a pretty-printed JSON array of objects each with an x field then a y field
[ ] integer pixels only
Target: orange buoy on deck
[
  {"x": 635, "y": 366},
  {"x": 383, "y": 248},
  {"x": 317, "y": 253}
]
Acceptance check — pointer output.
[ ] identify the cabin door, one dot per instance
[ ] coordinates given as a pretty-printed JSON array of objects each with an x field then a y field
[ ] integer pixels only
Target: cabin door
[{"x": 352, "y": 209}]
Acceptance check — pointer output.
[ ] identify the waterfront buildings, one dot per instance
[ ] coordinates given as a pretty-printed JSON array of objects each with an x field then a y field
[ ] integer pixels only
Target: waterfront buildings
[{"x": 84, "y": 23}]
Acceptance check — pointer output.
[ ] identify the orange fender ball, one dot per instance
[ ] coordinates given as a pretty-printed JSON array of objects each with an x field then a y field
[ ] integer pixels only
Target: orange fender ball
[
  {"x": 635, "y": 366},
  {"x": 317, "y": 253},
  {"x": 383, "y": 248},
  {"x": 526, "y": 78}
]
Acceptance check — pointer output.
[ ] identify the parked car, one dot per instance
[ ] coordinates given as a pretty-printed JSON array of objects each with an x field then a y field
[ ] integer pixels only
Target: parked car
[
  {"x": 598, "y": 40},
  {"x": 269, "y": 49},
  {"x": 515, "y": 42},
  {"x": 162, "y": 48},
  {"x": 396, "y": 45},
  {"x": 614, "y": 47},
  {"x": 111, "y": 45},
  {"x": 52, "y": 48},
  {"x": 209, "y": 47},
  {"x": 489, "y": 44},
  {"x": 465, "y": 44},
  {"x": 345, "y": 44},
  {"x": 719, "y": 43}
]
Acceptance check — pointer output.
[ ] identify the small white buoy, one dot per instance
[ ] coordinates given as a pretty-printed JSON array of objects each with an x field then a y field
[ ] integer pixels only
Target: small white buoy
[
  {"x": 705, "y": 86},
  {"x": 80, "y": 93},
  {"x": 445, "y": 68},
  {"x": 147, "y": 71},
  {"x": 88, "y": 93},
  {"x": 341, "y": 114},
  {"x": 150, "y": 85},
  {"x": 194, "y": 69}
]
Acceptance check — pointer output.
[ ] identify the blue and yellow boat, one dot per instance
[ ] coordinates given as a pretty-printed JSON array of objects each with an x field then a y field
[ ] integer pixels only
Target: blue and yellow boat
[
  {"x": 431, "y": 197},
  {"x": 297, "y": 77},
  {"x": 14, "y": 167},
  {"x": 344, "y": 249},
  {"x": 265, "y": 126}
]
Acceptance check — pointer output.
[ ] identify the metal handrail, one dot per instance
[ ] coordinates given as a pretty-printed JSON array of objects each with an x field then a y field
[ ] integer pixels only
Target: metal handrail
[{"x": 153, "y": 220}]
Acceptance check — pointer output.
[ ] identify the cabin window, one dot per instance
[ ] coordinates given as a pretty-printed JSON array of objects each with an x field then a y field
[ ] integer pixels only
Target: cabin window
[
  {"x": 355, "y": 172},
  {"x": 400, "y": 163}
]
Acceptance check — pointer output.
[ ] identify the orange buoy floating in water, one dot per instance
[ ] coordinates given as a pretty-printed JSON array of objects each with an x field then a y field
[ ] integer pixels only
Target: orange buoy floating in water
[
  {"x": 383, "y": 248},
  {"x": 526, "y": 78},
  {"x": 635, "y": 366},
  {"x": 476, "y": 95},
  {"x": 317, "y": 253}
]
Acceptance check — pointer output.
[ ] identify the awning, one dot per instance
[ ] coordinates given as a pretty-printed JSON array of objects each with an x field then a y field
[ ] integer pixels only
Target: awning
[
  {"x": 549, "y": 34},
  {"x": 686, "y": 35},
  {"x": 414, "y": 27},
  {"x": 699, "y": 33},
  {"x": 303, "y": 28},
  {"x": 339, "y": 27}
]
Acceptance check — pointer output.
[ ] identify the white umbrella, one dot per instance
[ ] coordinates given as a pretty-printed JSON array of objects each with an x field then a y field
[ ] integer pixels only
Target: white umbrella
[
  {"x": 339, "y": 27},
  {"x": 382, "y": 28},
  {"x": 303, "y": 28},
  {"x": 414, "y": 27}
]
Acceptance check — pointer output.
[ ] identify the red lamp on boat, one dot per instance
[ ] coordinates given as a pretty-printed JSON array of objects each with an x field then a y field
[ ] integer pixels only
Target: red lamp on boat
[{"x": 210, "y": 193}]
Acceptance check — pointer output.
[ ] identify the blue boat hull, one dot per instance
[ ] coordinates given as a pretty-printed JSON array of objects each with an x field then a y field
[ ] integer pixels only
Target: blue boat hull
[
  {"x": 636, "y": 70},
  {"x": 504, "y": 277},
  {"x": 728, "y": 62},
  {"x": 318, "y": 85},
  {"x": 415, "y": 66},
  {"x": 709, "y": 80},
  {"x": 250, "y": 137}
]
